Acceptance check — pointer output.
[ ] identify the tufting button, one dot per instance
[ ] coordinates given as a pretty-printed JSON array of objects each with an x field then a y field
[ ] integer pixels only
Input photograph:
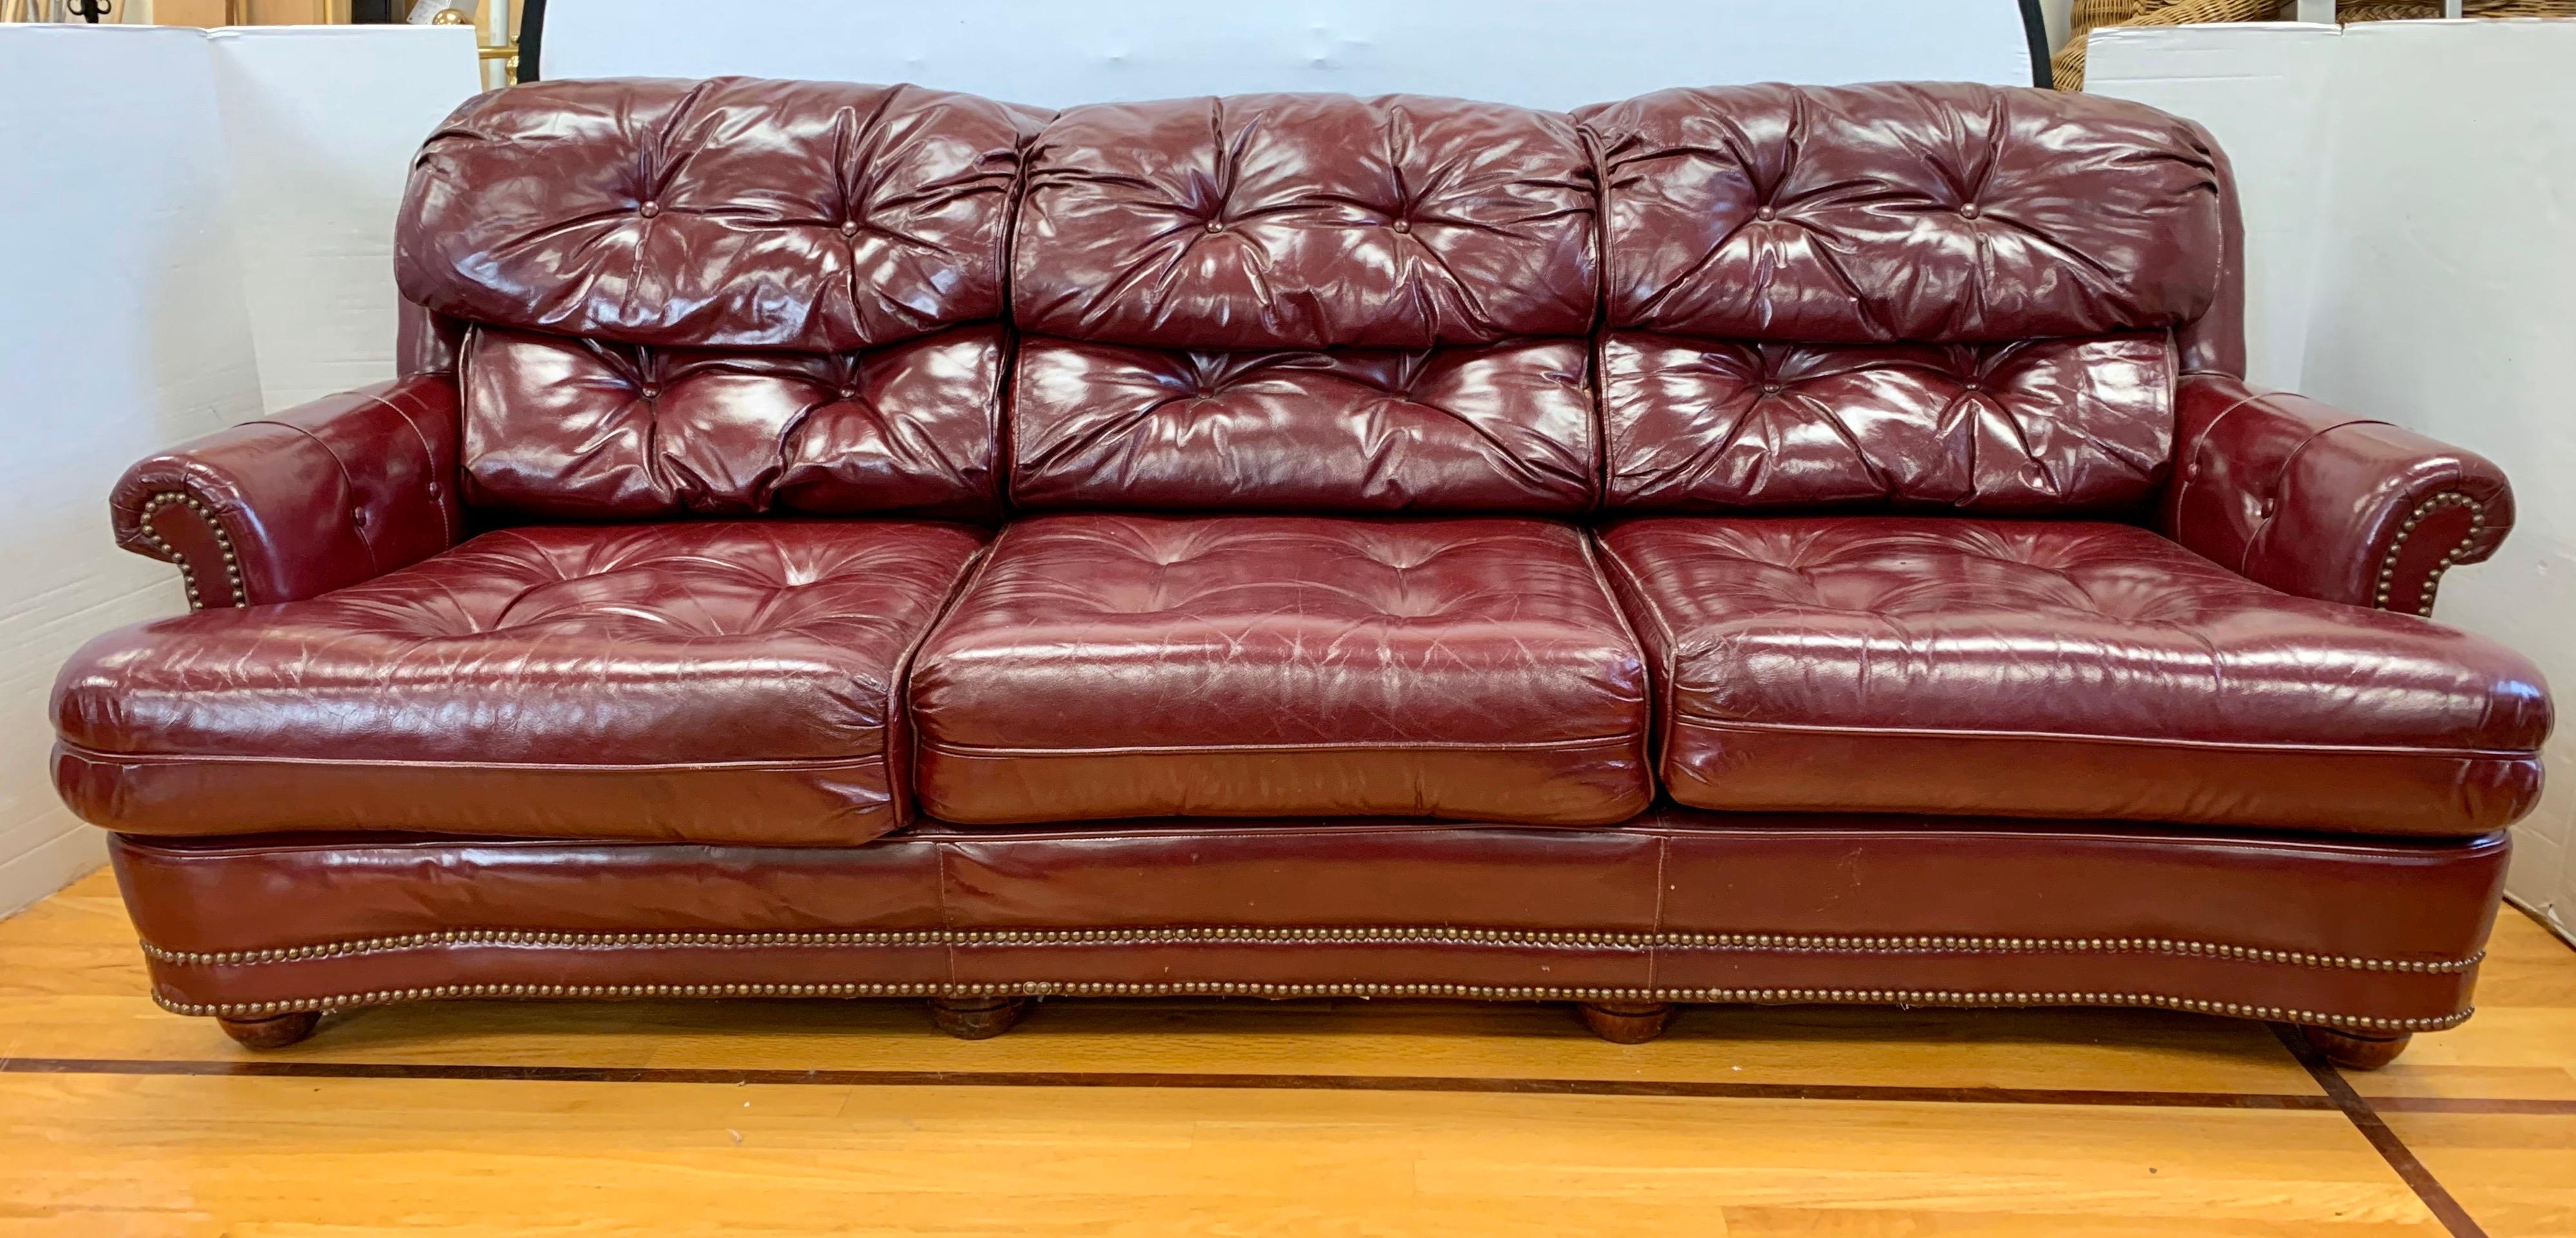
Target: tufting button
[
  {"x": 849, "y": 227},
  {"x": 650, "y": 209},
  {"x": 1214, "y": 226},
  {"x": 1766, "y": 213},
  {"x": 1403, "y": 226},
  {"x": 1770, "y": 388},
  {"x": 651, "y": 390},
  {"x": 1970, "y": 210},
  {"x": 849, "y": 392}
]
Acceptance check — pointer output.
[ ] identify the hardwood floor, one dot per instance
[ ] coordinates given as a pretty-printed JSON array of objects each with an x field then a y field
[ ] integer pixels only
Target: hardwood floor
[{"x": 1216, "y": 1118}]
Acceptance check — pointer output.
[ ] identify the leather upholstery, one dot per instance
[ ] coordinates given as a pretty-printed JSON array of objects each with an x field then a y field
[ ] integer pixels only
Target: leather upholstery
[
  {"x": 1778, "y": 908},
  {"x": 559, "y": 428},
  {"x": 1305, "y": 221},
  {"x": 1106, "y": 666},
  {"x": 2058, "y": 669},
  {"x": 707, "y": 682},
  {"x": 1503, "y": 428},
  {"x": 733, "y": 213},
  {"x": 1298, "y": 389},
  {"x": 1904, "y": 212},
  {"x": 2042, "y": 426},
  {"x": 324, "y": 495},
  {"x": 2315, "y": 502}
]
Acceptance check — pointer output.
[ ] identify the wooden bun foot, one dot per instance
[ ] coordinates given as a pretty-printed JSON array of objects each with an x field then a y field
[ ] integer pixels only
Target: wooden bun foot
[
  {"x": 273, "y": 1032},
  {"x": 977, "y": 1018},
  {"x": 2354, "y": 1051},
  {"x": 1626, "y": 1023}
]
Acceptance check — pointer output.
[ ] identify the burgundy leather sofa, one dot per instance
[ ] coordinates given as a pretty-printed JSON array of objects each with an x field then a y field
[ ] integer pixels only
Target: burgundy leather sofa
[{"x": 1738, "y": 545}]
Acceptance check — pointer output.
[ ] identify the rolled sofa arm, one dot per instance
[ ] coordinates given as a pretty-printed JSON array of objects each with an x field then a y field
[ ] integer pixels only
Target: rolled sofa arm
[
  {"x": 2306, "y": 499},
  {"x": 320, "y": 496}
]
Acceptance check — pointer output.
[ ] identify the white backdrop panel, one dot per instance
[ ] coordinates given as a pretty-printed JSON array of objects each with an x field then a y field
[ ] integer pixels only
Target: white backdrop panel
[
  {"x": 321, "y": 123},
  {"x": 122, "y": 330},
  {"x": 1541, "y": 53}
]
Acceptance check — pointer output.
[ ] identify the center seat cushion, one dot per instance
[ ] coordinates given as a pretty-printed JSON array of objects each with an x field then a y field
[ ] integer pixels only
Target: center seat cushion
[
  {"x": 1102, "y": 666},
  {"x": 2071, "y": 669},
  {"x": 714, "y": 682}
]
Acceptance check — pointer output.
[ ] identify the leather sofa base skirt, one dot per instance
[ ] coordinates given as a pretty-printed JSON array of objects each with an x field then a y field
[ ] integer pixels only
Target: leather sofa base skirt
[{"x": 2373, "y": 936}]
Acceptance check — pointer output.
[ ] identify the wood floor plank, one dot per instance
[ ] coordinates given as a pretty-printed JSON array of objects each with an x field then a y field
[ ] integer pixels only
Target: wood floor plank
[
  {"x": 2515, "y": 1173},
  {"x": 163, "y": 1154}
]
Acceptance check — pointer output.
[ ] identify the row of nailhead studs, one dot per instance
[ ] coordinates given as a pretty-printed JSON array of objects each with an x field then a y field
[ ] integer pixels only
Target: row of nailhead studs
[
  {"x": 1042, "y": 988},
  {"x": 187, "y": 574},
  {"x": 2406, "y": 529},
  {"x": 1309, "y": 936}
]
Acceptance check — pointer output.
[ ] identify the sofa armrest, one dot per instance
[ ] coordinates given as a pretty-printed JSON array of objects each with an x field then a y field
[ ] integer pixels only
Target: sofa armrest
[
  {"x": 318, "y": 497},
  {"x": 2312, "y": 501}
]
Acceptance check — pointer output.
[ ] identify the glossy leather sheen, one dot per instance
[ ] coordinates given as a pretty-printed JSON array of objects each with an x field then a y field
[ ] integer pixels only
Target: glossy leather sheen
[
  {"x": 2043, "y": 426},
  {"x": 559, "y": 428},
  {"x": 1502, "y": 428},
  {"x": 1305, "y": 221},
  {"x": 1904, "y": 212},
  {"x": 2058, "y": 669},
  {"x": 320, "y": 496},
  {"x": 1110, "y": 665},
  {"x": 734, "y": 213},
  {"x": 707, "y": 682},
  {"x": 2094, "y": 909},
  {"x": 2316, "y": 502}
]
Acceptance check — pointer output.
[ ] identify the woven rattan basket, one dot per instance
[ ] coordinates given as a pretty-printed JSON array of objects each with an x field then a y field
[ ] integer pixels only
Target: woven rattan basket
[{"x": 2067, "y": 67}]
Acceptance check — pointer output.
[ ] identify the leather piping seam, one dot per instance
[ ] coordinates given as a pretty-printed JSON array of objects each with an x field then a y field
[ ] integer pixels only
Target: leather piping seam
[
  {"x": 790, "y": 765},
  {"x": 1222, "y": 988},
  {"x": 1162, "y": 750},
  {"x": 187, "y": 573},
  {"x": 1793, "y": 943},
  {"x": 2210, "y": 745},
  {"x": 2406, "y": 529}
]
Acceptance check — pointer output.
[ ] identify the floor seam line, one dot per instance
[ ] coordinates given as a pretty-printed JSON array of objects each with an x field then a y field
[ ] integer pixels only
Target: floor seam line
[{"x": 2382, "y": 1138}]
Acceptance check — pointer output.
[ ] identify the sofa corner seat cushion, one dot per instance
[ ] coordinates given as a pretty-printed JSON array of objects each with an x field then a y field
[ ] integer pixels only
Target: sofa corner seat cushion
[
  {"x": 730, "y": 682},
  {"x": 2069, "y": 669},
  {"x": 1103, "y": 666}
]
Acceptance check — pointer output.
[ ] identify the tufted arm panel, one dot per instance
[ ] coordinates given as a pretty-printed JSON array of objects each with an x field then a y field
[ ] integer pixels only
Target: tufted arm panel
[
  {"x": 316, "y": 498},
  {"x": 2313, "y": 501}
]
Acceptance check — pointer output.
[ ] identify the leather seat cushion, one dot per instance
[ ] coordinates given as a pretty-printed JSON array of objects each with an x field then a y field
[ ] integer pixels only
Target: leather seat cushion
[
  {"x": 2057, "y": 669},
  {"x": 707, "y": 682},
  {"x": 1122, "y": 665}
]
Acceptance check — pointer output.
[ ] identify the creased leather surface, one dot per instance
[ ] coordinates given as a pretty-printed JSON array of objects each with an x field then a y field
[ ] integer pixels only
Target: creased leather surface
[
  {"x": 1904, "y": 211},
  {"x": 559, "y": 428},
  {"x": 2060, "y": 669},
  {"x": 1108, "y": 665},
  {"x": 320, "y": 496},
  {"x": 1305, "y": 221},
  {"x": 1667, "y": 871},
  {"x": 2042, "y": 426},
  {"x": 1503, "y": 428},
  {"x": 730, "y": 213},
  {"x": 710, "y": 682},
  {"x": 2313, "y": 501}
]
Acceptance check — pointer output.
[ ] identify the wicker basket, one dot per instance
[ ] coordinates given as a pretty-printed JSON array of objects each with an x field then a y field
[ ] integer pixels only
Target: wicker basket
[{"x": 2067, "y": 67}]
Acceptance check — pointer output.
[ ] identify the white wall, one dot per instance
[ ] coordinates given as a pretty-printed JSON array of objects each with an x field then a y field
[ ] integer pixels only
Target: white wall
[
  {"x": 2428, "y": 171},
  {"x": 227, "y": 201},
  {"x": 1082, "y": 51}
]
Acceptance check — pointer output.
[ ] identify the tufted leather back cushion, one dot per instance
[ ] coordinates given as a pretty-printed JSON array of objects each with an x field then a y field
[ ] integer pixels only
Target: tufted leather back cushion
[
  {"x": 1305, "y": 303},
  {"x": 731, "y": 296},
  {"x": 1911, "y": 294}
]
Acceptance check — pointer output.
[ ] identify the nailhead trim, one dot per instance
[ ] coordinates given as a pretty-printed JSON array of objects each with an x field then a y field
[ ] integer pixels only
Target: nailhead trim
[
  {"x": 1260, "y": 935},
  {"x": 2406, "y": 529},
  {"x": 1084, "y": 988},
  {"x": 187, "y": 573}
]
